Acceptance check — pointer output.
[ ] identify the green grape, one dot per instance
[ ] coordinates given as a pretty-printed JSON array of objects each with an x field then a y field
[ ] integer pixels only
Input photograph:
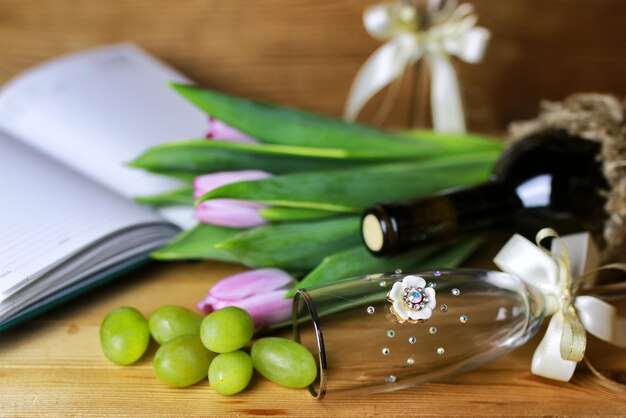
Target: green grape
[
  {"x": 230, "y": 373},
  {"x": 124, "y": 335},
  {"x": 170, "y": 322},
  {"x": 284, "y": 362},
  {"x": 182, "y": 361},
  {"x": 226, "y": 330}
]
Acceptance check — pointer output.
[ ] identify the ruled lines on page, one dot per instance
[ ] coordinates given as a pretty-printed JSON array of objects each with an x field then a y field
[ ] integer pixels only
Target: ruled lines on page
[{"x": 48, "y": 213}]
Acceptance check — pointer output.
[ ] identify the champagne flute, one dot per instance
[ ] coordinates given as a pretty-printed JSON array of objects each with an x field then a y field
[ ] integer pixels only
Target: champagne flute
[{"x": 386, "y": 332}]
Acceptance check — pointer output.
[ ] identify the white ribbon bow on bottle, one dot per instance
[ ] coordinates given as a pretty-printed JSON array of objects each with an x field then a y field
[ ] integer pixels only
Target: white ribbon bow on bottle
[
  {"x": 564, "y": 342},
  {"x": 455, "y": 34}
]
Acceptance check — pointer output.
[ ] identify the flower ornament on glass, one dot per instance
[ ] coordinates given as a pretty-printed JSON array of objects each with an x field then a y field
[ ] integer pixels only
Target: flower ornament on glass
[
  {"x": 386, "y": 332},
  {"x": 411, "y": 300}
]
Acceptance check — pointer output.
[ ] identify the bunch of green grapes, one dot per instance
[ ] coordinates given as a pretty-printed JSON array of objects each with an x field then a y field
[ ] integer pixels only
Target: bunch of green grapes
[{"x": 193, "y": 348}]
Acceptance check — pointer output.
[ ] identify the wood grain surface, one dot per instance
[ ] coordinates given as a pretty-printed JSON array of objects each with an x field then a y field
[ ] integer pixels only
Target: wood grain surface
[
  {"x": 303, "y": 53},
  {"x": 53, "y": 366},
  {"x": 306, "y": 52}
]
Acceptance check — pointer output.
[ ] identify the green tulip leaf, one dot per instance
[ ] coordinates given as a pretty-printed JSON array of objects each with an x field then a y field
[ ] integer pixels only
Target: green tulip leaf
[
  {"x": 358, "y": 261},
  {"x": 285, "y": 214},
  {"x": 205, "y": 156},
  {"x": 180, "y": 196},
  {"x": 293, "y": 246},
  {"x": 288, "y": 126},
  {"x": 199, "y": 243},
  {"x": 351, "y": 190},
  {"x": 457, "y": 143}
]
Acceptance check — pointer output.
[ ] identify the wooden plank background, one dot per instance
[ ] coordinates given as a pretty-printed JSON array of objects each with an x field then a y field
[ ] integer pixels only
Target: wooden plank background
[
  {"x": 306, "y": 52},
  {"x": 303, "y": 53}
]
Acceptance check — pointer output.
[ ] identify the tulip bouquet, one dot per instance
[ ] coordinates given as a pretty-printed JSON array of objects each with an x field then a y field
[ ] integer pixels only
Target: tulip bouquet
[{"x": 280, "y": 190}]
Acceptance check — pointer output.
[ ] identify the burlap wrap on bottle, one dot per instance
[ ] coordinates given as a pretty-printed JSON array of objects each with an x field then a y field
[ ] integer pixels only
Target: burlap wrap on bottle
[{"x": 598, "y": 117}]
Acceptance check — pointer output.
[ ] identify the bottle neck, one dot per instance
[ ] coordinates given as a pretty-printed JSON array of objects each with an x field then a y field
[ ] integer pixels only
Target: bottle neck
[{"x": 395, "y": 227}]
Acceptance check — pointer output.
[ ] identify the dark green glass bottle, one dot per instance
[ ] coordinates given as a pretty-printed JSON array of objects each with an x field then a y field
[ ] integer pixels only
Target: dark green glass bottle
[{"x": 548, "y": 179}]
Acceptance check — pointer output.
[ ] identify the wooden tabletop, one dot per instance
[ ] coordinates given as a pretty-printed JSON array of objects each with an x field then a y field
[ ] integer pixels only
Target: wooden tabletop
[
  {"x": 302, "y": 53},
  {"x": 53, "y": 366}
]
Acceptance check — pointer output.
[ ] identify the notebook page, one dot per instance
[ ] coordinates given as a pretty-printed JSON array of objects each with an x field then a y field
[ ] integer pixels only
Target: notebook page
[
  {"x": 98, "y": 109},
  {"x": 49, "y": 213}
]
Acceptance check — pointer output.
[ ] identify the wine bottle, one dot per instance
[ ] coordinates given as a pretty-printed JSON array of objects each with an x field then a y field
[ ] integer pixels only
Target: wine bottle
[{"x": 547, "y": 179}]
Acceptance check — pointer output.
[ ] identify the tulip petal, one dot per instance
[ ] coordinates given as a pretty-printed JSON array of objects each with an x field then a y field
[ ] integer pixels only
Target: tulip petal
[
  {"x": 210, "y": 304},
  {"x": 432, "y": 300},
  {"x": 266, "y": 308},
  {"x": 206, "y": 305},
  {"x": 222, "y": 132},
  {"x": 250, "y": 283},
  {"x": 230, "y": 213},
  {"x": 208, "y": 182}
]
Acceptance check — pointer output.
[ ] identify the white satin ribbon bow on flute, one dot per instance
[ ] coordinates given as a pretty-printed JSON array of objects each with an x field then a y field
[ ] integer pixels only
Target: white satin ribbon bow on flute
[
  {"x": 564, "y": 342},
  {"x": 456, "y": 34}
]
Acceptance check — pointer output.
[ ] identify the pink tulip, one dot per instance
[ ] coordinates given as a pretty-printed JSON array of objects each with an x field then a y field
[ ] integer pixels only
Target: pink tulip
[
  {"x": 220, "y": 131},
  {"x": 228, "y": 212},
  {"x": 260, "y": 292},
  {"x": 207, "y": 182}
]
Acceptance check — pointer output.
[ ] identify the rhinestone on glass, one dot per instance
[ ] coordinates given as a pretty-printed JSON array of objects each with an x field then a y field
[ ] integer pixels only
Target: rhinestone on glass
[
  {"x": 463, "y": 319},
  {"x": 412, "y": 340},
  {"x": 382, "y": 283},
  {"x": 410, "y": 361},
  {"x": 398, "y": 271},
  {"x": 432, "y": 284},
  {"x": 440, "y": 351},
  {"x": 368, "y": 278},
  {"x": 370, "y": 310},
  {"x": 443, "y": 308},
  {"x": 456, "y": 292},
  {"x": 433, "y": 330},
  {"x": 414, "y": 297},
  {"x": 391, "y": 379},
  {"x": 391, "y": 333},
  {"x": 385, "y": 351},
  {"x": 437, "y": 273}
]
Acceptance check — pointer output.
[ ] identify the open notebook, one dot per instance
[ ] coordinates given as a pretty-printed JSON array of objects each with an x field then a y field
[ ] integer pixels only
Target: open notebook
[{"x": 67, "y": 217}]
